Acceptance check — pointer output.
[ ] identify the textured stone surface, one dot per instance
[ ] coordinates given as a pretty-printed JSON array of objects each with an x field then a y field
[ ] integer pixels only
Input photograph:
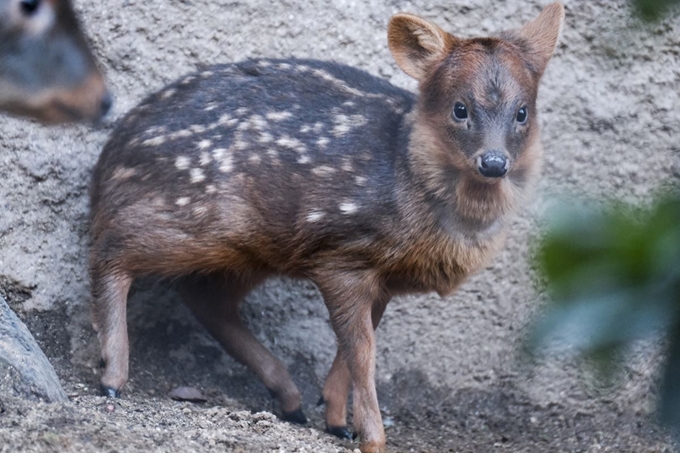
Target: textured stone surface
[{"x": 24, "y": 369}]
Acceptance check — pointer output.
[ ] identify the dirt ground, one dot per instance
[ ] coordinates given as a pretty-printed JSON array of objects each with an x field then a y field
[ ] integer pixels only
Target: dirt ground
[{"x": 450, "y": 377}]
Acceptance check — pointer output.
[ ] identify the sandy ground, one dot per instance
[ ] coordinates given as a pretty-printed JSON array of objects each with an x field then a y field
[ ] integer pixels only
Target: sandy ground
[{"x": 449, "y": 374}]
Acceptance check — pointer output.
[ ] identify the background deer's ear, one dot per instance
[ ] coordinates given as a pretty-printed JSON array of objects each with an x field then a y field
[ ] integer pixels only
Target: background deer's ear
[
  {"x": 539, "y": 37},
  {"x": 416, "y": 43}
]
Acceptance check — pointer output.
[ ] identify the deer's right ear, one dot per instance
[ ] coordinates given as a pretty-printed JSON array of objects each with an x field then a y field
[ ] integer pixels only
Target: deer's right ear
[{"x": 416, "y": 43}]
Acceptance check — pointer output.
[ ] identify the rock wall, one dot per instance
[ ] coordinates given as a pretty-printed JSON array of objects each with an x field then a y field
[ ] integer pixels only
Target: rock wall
[{"x": 609, "y": 112}]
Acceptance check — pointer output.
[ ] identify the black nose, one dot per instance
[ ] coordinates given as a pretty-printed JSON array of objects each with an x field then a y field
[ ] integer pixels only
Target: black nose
[
  {"x": 493, "y": 164},
  {"x": 106, "y": 103}
]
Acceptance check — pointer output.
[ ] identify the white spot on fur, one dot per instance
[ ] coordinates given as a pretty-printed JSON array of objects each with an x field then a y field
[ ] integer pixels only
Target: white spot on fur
[
  {"x": 278, "y": 116},
  {"x": 360, "y": 180},
  {"x": 318, "y": 126},
  {"x": 204, "y": 144},
  {"x": 302, "y": 68},
  {"x": 188, "y": 80},
  {"x": 225, "y": 158},
  {"x": 197, "y": 128},
  {"x": 258, "y": 122},
  {"x": 322, "y": 142},
  {"x": 210, "y": 106},
  {"x": 197, "y": 175},
  {"x": 227, "y": 120},
  {"x": 199, "y": 211},
  {"x": 344, "y": 123},
  {"x": 218, "y": 153},
  {"x": 264, "y": 64},
  {"x": 348, "y": 208},
  {"x": 241, "y": 111},
  {"x": 337, "y": 82},
  {"x": 255, "y": 159},
  {"x": 304, "y": 159},
  {"x": 122, "y": 173},
  {"x": 168, "y": 93},
  {"x": 210, "y": 189},
  {"x": 323, "y": 170},
  {"x": 206, "y": 74},
  {"x": 292, "y": 143},
  {"x": 315, "y": 216},
  {"x": 347, "y": 164},
  {"x": 348, "y": 103},
  {"x": 265, "y": 137},
  {"x": 205, "y": 159},
  {"x": 182, "y": 133},
  {"x": 155, "y": 130},
  {"x": 305, "y": 128},
  {"x": 155, "y": 141},
  {"x": 284, "y": 66},
  {"x": 183, "y": 201},
  {"x": 240, "y": 145},
  {"x": 182, "y": 162},
  {"x": 272, "y": 153}
]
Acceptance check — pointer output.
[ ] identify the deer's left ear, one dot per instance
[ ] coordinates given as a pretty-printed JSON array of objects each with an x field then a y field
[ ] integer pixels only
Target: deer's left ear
[{"x": 539, "y": 37}]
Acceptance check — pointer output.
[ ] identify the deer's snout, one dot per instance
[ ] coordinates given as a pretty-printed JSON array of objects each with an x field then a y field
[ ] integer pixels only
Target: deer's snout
[{"x": 493, "y": 164}]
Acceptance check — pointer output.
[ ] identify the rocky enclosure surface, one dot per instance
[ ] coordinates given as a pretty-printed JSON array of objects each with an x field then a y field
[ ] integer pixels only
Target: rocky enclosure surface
[{"x": 450, "y": 377}]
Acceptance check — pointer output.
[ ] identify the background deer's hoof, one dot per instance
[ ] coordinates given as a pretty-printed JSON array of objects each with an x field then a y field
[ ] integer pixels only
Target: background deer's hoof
[
  {"x": 108, "y": 392},
  {"x": 297, "y": 417},
  {"x": 339, "y": 431}
]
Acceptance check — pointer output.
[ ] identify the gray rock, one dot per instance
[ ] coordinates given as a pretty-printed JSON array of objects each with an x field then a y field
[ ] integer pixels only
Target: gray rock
[{"x": 24, "y": 369}]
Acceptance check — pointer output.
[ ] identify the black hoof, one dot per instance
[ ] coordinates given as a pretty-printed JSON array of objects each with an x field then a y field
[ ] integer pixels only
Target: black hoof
[
  {"x": 108, "y": 391},
  {"x": 339, "y": 431},
  {"x": 297, "y": 417},
  {"x": 321, "y": 401}
]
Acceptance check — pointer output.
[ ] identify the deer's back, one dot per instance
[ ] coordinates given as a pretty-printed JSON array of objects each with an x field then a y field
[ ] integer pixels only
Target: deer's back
[{"x": 291, "y": 156}]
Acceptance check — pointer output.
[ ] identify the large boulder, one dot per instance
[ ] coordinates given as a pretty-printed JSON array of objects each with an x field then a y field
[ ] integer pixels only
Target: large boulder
[{"x": 24, "y": 369}]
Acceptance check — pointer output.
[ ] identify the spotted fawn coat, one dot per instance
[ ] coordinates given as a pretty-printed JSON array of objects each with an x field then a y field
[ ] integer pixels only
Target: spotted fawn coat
[{"x": 317, "y": 170}]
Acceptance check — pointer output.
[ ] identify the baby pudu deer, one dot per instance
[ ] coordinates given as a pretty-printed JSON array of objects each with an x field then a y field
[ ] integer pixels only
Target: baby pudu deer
[
  {"x": 317, "y": 170},
  {"x": 46, "y": 68}
]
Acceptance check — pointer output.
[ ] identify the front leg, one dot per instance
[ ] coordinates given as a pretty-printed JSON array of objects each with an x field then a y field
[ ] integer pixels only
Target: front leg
[
  {"x": 350, "y": 298},
  {"x": 336, "y": 387}
]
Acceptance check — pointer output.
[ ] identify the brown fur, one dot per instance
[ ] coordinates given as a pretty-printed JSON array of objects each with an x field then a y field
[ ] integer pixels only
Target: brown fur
[{"x": 424, "y": 221}]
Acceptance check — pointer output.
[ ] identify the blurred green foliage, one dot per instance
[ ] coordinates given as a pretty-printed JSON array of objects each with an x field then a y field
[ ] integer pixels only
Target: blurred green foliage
[
  {"x": 653, "y": 9},
  {"x": 613, "y": 276}
]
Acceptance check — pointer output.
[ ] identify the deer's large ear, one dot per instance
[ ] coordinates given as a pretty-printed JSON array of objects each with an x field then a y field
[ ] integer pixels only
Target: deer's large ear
[
  {"x": 416, "y": 43},
  {"x": 539, "y": 37}
]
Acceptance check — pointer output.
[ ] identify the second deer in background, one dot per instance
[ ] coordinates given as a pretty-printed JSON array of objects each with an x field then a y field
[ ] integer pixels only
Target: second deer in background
[
  {"x": 317, "y": 170},
  {"x": 47, "y": 70}
]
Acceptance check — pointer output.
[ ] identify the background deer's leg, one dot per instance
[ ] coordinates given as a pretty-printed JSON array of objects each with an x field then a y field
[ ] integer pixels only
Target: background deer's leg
[{"x": 215, "y": 301}]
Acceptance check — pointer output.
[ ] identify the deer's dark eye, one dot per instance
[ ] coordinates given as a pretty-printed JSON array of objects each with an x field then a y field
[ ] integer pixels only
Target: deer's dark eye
[
  {"x": 28, "y": 7},
  {"x": 460, "y": 112},
  {"x": 522, "y": 115}
]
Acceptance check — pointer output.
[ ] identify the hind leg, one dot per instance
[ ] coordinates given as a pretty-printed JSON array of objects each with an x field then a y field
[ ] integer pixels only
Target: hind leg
[
  {"x": 215, "y": 300},
  {"x": 110, "y": 291},
  {"x": 336, "y": 387}
]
